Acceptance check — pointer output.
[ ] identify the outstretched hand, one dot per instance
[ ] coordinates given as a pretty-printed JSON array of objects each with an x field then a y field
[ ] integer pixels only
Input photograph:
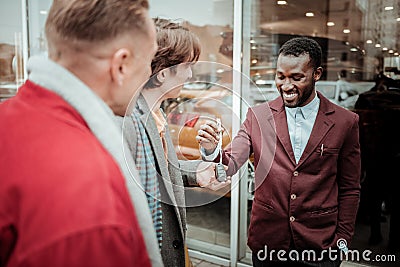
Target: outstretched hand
[
  {"x": 208, "y": 136},
  {"x": 206, "y": 176}
]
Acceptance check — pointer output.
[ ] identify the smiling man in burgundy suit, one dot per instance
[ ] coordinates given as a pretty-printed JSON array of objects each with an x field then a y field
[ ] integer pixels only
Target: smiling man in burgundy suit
[{"x": 307, "y": 159}]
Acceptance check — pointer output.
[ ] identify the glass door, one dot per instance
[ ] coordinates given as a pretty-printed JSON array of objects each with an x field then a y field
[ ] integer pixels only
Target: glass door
[
  {"x": 208, "y": 95},
  {"x": 22, "y": 35},
  {"x": 360, "y": 43},
  {"x": 37, "y": 10},
  {"x": 12, "y": 61}
]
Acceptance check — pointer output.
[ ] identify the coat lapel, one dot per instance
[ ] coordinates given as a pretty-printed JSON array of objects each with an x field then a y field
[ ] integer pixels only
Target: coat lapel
[
  {"x": 154, "y": 137},
  {"x": 321, "y": 127}
]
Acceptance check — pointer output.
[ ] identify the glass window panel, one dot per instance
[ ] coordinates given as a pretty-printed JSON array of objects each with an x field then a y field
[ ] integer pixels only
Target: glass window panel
[
  {"x": 206, "y": 96},
  {"x": 37, "y": 18},
  {"x": 360, "y": 42},
  {"x": 10, "y": 47}
]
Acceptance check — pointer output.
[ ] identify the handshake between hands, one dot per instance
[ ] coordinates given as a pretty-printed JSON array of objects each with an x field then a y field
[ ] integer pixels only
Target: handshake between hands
[{"x": 208, "y": 138}]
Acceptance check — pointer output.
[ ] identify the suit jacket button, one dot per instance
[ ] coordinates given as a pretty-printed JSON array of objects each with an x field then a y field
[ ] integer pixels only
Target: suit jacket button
[
  {"x": 292, "y": 219},
  {"x": 176, "y": 244},
  {"x": 296, "y": 173}
]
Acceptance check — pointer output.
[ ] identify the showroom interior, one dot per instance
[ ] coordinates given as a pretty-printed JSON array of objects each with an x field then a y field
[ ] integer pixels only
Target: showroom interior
[{"x": 240, "y": 41}]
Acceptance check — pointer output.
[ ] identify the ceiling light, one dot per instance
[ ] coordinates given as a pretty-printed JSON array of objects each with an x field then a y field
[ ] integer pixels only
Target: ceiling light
[
  {"x": 281, "y": 2},
  {"x": 254, "y": 61},
  {"x": 378, "y": 45},
  {"x": 353, "y": 49},
  {"x": 396, "y": 54},
  {"x": 346, "y": 31},
  {"x": 398, "y": 19},
  {"x": 252, "y": 41},
  {"x": 369, "y": 41},
  {"x": 389, "y": 8},
  {"x": 391, "y": 51},
  {"x": 385, "y": 49},
  {"x": 261, "y": 82},
  {"x": 309, "y": 14},
  {"x": 254, "y": 47},
  {"x": 330, "y": 23}
]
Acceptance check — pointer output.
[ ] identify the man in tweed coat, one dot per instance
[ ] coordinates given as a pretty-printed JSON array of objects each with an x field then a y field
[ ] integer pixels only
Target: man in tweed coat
[{"x": 163, "y": 176}]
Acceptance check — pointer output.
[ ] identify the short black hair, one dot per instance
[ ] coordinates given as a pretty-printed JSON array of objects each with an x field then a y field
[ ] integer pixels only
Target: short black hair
[{"x": 303, "y": 45}]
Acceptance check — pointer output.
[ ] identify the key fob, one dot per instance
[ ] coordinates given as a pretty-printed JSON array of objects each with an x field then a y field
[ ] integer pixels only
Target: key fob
[{"x": 220, "y": 172}]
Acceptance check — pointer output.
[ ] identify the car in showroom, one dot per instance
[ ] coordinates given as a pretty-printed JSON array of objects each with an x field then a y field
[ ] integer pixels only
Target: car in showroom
[{"x": 186, "y": 117}]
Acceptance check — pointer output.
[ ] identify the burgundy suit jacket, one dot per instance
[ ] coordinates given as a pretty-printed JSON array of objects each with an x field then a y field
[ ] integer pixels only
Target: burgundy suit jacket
[{"x": 308, "y": 205}]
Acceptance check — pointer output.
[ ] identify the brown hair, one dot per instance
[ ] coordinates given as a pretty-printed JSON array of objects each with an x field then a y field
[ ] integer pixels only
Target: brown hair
[
  {"x": 176, "y": 45},
  {"x": 91, "y": 21}
]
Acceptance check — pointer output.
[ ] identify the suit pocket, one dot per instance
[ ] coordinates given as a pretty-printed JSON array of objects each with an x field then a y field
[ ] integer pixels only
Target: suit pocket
[
  {"x": 266, "y": 205},
  {"x": 266, "y": 226},
  {"x": 323, "y": 219},
  {"x": 324, "y": 211},
  {"x": 325, "y": 158},
  {"x": 323, "y": 150}
]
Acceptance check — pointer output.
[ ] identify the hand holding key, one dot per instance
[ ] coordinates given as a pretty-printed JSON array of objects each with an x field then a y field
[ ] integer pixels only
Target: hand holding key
[
  {"x": 220, "y": 171},
  {"x": 209, "y": 135}
]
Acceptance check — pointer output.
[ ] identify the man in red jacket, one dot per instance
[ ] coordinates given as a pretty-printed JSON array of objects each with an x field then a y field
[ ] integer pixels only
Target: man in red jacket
[
  {"x": 66, "y": 198},
  {"x": 307, "y": 166}
]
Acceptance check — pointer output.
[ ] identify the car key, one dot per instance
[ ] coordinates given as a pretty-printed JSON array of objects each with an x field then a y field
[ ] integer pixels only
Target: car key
[{"x": 220, "y": 172}]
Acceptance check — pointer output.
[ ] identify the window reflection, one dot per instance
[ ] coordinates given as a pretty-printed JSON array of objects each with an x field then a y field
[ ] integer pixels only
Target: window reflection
[
  {"x": 203, "y": 97},
  {"x": 10, "y": 48},
  {"x": 360, "y": 41}
]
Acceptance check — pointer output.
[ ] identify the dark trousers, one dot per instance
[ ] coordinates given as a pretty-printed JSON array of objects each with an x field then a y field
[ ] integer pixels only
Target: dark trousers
[{"x": 325, "y": 263}]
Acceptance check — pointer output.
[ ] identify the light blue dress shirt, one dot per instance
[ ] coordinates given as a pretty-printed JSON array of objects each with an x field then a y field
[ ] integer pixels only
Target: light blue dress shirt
[{"x": 300, "y": 122}]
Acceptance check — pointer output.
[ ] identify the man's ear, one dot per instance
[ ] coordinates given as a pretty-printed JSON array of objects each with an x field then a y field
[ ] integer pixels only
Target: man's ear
[
  {"x": 119, "y": 65},
  {"x": 318, "y": 73}
]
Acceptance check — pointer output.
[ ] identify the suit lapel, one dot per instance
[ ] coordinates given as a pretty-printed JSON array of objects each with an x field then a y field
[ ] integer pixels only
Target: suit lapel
[
  {"x": 282, "y": 127},
  {"x": 321, "y": 127}
]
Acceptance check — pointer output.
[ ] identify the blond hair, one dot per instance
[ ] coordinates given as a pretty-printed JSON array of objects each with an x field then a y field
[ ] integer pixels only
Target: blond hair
[
  {"x": 93, "y": 21},
  {"x": 176, "y": 45}
]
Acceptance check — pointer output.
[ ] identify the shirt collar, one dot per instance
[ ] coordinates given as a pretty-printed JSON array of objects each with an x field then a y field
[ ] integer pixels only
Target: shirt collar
[
  {"x": 161, "y": 122},
  {"x": 307, "y": 110}
]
